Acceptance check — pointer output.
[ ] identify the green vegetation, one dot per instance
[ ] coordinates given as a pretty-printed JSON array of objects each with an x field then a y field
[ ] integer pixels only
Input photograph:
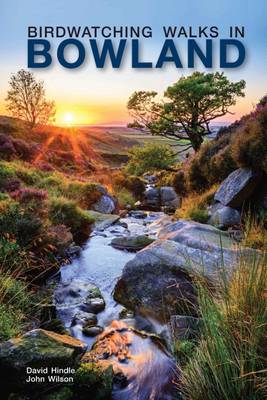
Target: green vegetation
[
  {"x": 66, "y": 212},
  {"x": 94, "y": 380},
  {"x": 125, "y": 198},
  {"x": 16, "y": 305},
  {"x": 230, "y": 361},
  {"x": 149, "y": 158},
  {"x": 195, "y": 206},
  {"x": 192, "y": 103}
]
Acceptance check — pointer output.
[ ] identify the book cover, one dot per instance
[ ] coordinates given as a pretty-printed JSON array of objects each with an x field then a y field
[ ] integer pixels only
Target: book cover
[{"x": 133, "y": 200}]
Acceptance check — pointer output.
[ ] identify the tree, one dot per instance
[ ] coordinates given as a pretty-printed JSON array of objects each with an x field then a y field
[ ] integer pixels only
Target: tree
[
  {"x": 188, "y": 107},
  {"x": 26, "y": 99},
  {"x": 149, "y": 157}
]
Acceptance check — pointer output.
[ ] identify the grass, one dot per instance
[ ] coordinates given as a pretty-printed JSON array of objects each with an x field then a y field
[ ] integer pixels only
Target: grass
[
  {"x": 194, "y": 207},
  {"x": 230, "y": 361},
  {"x": 255, "y": 231}
]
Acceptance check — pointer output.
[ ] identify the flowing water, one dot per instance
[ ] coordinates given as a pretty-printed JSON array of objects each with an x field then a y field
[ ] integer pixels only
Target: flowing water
[{"x": 149, "y": 369}]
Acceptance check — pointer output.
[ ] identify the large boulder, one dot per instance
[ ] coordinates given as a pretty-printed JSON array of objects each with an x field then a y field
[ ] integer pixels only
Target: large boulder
[
  {"x": 36, "y": 349},
  {"x": 105, "y": 205},
  {"x": 131, "y": 243},
  {"x": 169, "y": 198},
  {"x": 237, "y": 187},
  {"x": 223, "y": 216},
  {"x": 158, "y": 281},
  {"x": 152, "y": 198}
]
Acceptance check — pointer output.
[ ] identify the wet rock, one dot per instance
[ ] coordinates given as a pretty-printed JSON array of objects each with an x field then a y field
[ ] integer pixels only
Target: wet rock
[
  {"x": 92, "y": 330},
  {"x": 185, "y": 327},
  {"x": 138, "y": 214},
  {"x": 131, "y": 243},
  {"x": 124, "y": 313},
  {"x": 94, "y": 305},
  {"x": 237, "y": 187},
  {"x": 38, "y": 349},
  {"x": 77, "y": 295},
  {"x": 122, "y": 224},
  {"x": 223, "y": 216},
  {"x": 73, "y": 251},
  {"x": 85, "y": 319},
  {"x": 103, "y": 221}
]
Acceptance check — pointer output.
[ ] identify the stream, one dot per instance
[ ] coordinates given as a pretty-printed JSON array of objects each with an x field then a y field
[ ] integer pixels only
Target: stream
[{"x": 146, "y": 364}]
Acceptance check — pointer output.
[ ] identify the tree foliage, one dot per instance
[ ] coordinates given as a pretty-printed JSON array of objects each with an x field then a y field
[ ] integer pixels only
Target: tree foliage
[
  {"x": 188, "y": 107},
  {"x": 148, "y": 158},
  {"x": 26, "y": 99}
]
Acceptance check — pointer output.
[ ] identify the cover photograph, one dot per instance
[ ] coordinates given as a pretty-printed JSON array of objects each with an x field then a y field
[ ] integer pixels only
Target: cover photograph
[{"x": 133, "y": 200}]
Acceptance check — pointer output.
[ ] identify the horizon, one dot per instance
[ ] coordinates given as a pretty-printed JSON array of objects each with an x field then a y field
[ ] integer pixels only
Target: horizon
[{"x": 96, "y": 97}]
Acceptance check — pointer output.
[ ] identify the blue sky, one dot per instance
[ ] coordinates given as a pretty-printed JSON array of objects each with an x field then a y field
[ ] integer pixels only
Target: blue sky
[{"x": 100, "y": 95}]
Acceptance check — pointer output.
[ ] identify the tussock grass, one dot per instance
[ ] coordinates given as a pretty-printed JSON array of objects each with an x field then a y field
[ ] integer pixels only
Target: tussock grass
[
  {"x": 194, "y": 207},
  {"x": 230, "y": 361}
]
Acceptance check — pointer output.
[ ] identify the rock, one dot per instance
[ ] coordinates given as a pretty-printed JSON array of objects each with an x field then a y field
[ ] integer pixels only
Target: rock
[
  {"x": 93, "y": 381},
  {"x": 152, "y": 197},
  {"x": 151, "y": 286},
  {"x": 151, "y": 179},
  {"x": 37, "y": 348},
  {"x": 184, "y": 327},
  {"x": 73, "y": 251},
  {"x": 169, "y": 198},
  {"x": 122, "y": 224},
  {"x": 223, "y": 216},
  {"x": 237, "y": 187},
  {"x": 124, "y": 313},
  {"x": 77, "y": 295},
  {"x": 138, "y": 214},
  {"x": 131, "y": 243},
  {"x": 94, "y": 305},
  {"x": 84, "y": 319},
  {"x": 103, "y": 221},
  {"x": 105, "y": 205},
  {"x": 92, "y": 330},
  {"x": 158, "y": 281}
]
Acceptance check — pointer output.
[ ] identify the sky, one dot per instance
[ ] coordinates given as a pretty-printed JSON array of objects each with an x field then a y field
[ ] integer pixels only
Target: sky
[{"x": 99, "y": 96}]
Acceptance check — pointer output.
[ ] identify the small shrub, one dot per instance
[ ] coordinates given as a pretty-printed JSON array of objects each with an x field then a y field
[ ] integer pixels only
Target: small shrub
[
  {"x": 150, "y": 157},
  {"x": 198, "y": 215},
  {"x": 26, "y": 195},
  {"x": 86, "y": 194},
  {"x": 67, "y": 212},
  {"x": 250, "y": 145},
  {"x": 195, "y": 206},
  {"x": 125, "y": 198}
]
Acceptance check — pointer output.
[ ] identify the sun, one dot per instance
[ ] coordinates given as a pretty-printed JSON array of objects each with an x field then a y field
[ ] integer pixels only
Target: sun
[{"x": 68, "y": 118}]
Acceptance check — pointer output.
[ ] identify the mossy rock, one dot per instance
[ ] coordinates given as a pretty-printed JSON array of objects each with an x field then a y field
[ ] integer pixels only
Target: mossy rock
[
  {"x": 93, "y": 380},
  {"x": 131, "y": 243},
  {"x": 37, "y": 348}
]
